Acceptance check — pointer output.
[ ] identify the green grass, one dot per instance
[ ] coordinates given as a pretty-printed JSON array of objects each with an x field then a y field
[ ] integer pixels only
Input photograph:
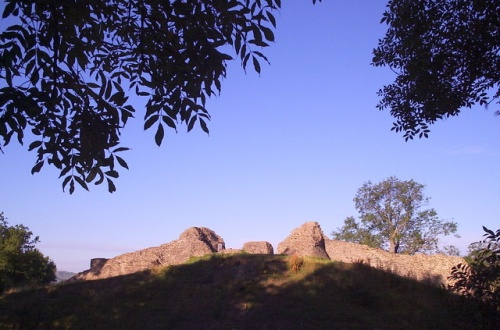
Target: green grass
[{"x": 244, "y": 292}]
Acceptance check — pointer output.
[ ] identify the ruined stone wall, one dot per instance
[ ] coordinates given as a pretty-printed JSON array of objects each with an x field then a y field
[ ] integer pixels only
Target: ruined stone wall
[
  {"x": 192, "y": 242},
  {"x": 309, "y": 240},
  {"x": 306, "y": 240},
  {"x": 429, "y": 268}
]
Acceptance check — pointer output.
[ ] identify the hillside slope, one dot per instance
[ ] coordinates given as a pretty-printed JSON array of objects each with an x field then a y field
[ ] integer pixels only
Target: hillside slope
[{"x": 244, "y": 292}]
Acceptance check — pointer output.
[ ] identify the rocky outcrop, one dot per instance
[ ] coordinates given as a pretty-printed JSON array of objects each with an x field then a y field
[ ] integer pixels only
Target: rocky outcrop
[
  {"x": 194, "y": 234},
  {"x": 434, "y": 269},
  {"x": 258, "y": 247},
  {"x": 307, "y": 240},
  {"x": 194, "y": 241}
]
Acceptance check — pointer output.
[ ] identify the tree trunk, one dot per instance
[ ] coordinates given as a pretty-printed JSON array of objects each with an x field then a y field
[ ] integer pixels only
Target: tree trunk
[{"x": 393, "y": 245}]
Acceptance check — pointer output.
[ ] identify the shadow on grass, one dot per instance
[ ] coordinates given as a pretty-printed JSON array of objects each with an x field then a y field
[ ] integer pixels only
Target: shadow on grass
[{"x": 244, "y": 292}]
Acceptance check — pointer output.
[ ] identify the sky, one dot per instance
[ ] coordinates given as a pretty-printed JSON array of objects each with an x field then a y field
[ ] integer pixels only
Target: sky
[{"x": 288, "y": 146}]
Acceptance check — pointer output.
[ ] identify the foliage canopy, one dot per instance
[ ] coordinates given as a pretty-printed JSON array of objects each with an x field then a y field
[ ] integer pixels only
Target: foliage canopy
[
  {"x": 446, "y": 56},
  {"x": 67, "y": 66},
  {"x": 20, "y": 262},
  {"x": 393, "y": 217}
]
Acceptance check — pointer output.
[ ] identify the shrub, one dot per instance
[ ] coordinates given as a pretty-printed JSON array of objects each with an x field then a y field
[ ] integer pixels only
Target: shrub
[
  {"x": 296, "y": 262},
  {"x": 479, "y": 278}
]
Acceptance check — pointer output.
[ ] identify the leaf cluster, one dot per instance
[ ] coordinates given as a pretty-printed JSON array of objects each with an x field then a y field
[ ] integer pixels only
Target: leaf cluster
[
  {"x": 479, "y": 278},
  {"x": 68, "y": 67},
  {"x": 356, "y": 232},
  {"x": 445, "y": 56}
]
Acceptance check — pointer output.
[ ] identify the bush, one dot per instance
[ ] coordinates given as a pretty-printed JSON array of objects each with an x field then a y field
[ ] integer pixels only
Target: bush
[
  {"x": 479, "y": 278},
  {"x": 296, "y": 262}
]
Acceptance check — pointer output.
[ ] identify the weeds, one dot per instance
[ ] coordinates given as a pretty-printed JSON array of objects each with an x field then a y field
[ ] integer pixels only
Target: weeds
[{"x": 296, "y": 262}]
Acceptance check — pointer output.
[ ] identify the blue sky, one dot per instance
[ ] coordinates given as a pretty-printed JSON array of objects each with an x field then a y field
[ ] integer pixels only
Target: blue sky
[{"x": 289, "y": 146}]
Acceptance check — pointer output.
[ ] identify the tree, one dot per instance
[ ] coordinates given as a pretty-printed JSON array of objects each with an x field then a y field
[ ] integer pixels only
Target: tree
[
  {"x": 392, "y": 217},
  {"x": 450, "y": 250},
  {"x": 20, "y": 262},
  {"x": 352, "y": 231},
  {"x": 445, "y": 56},
  {"x": 66, "y": 67}
]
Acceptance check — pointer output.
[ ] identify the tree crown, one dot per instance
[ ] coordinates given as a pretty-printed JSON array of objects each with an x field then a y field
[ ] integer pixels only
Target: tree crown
[
  {"x": 68, "y": 68},
  {"x": 393, "y": 216},
  {"x": 20, "y": 262},
  {"x": 445, "y": 56}
]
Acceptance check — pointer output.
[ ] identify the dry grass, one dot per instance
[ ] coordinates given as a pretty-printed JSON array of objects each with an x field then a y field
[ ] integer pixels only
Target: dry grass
[{"x": 296, "y": 262}]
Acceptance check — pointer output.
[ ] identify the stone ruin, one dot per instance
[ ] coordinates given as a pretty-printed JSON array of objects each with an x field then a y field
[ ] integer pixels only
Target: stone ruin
[
  {"x": 433, "y": 269},
  {"x": 194, "y": 241},
  {"x": 258, "y": 247},
  {"x": 307, "y": 240}
]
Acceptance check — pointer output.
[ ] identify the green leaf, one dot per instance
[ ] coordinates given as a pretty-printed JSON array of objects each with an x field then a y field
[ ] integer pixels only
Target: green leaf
[
  {"x": 271, "y": 18},
  {"x": 34, "y": 144},
  {"x": 37, "y": 167},
  {"x": 111, "y": 186},
  {"x": 101, "y": 179},
  {"x": 9, "y": 9},
  {"x": 30, "y": 66},
  {"x": 243, "y": 54},
  {"x": 122, "y": 162},
  {"x": 64, "y": 171},
  {"x": 140, "y": 93},
  {"x": 261, "y": 56},
  {"x": 203, "y": 125},
  {"x": 488, "y": 231},
  {"x": 81, "y": 59},
  {"x": 256, "y": 64},
  {"x": 109, "y": 89},
  {"x": 153, "y": 119},
  {"x": 71, "y": 186},
  {"x": 268, "y": 33},
  {"x": 121, "y": 149},
  {"x": 92, "y": 174},
  {"x": 81, "y": 183},
  {"x": 192, "y": 121},
  {"x": 34, "y": 77},
  {"x": 226, "y": 57},
  {"x": 170, "y": 122},
  {"x": 65, "y": 182},
  {"x": 118, "y": 98},
  {"x": 30, "y": 55},
  {"x": 112, "y": 174},
  {"x": 237, "y": 44},
  {"x": 259, "y": 43},
  {"x": 159, "y": 135}
]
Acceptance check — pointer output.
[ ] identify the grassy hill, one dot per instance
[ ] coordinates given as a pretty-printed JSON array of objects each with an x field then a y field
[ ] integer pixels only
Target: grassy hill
[{"x": 244, "y": 292}]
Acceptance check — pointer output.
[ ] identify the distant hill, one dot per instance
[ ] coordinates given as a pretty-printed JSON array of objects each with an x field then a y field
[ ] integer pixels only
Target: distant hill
[
  {"x": 62, "y": 275},
  {"x": 243, "y": 291}
]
